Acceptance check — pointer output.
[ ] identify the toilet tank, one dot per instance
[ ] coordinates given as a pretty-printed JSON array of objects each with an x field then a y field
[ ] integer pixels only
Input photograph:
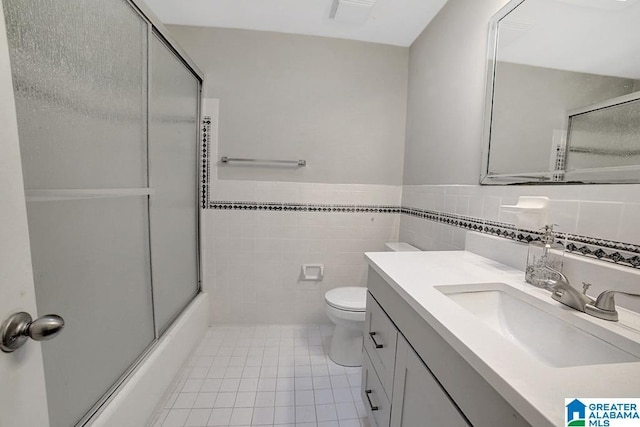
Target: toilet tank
[{"x": 400, "y": 247}]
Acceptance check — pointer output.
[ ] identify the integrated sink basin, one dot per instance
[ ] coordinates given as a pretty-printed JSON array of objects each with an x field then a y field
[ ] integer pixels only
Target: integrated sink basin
[{"x": 544, "y": 330}]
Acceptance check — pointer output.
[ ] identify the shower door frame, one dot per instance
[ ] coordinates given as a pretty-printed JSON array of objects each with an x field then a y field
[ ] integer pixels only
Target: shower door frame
[
  {"x": 155, "y": 27},
  {"x": 26, "y": 365}
]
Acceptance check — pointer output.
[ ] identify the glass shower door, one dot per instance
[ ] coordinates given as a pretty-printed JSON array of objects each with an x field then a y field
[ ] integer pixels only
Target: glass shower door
[
  {"x": 173, "y": 128},
  {"x": 80, "y": 82}
]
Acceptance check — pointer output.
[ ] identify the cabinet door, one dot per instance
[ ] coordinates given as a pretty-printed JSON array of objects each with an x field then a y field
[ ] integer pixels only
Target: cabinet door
[
  {"x": 380, "y": 343},
  {"x": 418, "y": 398},
  {"x": 373, "y": 395}
]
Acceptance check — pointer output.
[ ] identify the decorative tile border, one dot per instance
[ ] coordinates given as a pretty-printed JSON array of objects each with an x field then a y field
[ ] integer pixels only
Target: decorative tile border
[
  {"x": 624, "y": 254},
  {"x": 204, "y": 158},
  {"x": 607, "y": 250},
  {"x": 303, "y": 207}
]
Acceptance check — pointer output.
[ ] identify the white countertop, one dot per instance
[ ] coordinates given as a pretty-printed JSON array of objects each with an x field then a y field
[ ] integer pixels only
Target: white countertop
[{"x": 535, "y": 389}]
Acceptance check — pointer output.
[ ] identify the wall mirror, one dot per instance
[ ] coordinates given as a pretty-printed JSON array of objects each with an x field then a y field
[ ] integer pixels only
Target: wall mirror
[{"x": 563, "y": 93}]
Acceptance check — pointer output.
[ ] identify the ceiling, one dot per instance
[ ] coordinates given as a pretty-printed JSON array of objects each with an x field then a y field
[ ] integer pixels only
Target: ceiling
[{"x": 394, "y": 22}]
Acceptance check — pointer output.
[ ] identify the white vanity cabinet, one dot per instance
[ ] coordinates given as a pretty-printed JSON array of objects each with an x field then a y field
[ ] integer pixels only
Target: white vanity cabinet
[
  {"x": 397, "y": 388},
  {"x": 425, "y": 382},
  {"x": 418, "y": 399}
]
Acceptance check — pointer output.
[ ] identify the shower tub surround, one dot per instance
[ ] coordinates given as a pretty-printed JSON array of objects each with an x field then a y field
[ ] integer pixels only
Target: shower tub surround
[{"x": 273, "y": 375}]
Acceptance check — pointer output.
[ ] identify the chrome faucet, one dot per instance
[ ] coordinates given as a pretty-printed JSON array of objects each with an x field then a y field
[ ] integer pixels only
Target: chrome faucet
[
  {"x": 566, "y": 294},
  {"x": 604, "y": 306}
]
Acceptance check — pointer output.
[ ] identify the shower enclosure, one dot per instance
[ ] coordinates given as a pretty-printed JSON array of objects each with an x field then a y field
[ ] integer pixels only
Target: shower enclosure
[{"x": 107, "y": 110}]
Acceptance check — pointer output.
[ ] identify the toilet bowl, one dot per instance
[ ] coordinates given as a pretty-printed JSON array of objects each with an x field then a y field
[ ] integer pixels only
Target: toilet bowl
[{"x": 346, "y": 308}]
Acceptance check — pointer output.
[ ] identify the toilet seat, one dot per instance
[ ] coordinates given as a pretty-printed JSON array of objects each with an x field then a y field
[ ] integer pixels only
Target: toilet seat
[{"x": 349, "y": 298}]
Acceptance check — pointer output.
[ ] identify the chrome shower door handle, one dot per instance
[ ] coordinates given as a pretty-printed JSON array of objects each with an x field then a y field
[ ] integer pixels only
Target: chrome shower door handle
[{"x": 15, "y": 330}]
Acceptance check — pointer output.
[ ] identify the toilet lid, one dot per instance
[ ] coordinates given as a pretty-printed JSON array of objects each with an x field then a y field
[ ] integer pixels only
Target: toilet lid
[{"x": 350, "y": 298}]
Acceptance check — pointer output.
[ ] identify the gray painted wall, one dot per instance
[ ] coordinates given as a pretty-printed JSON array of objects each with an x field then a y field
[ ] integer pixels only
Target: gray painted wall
[
  {"x": 444, "y": 138},
  {"x": 445, "y": 97},
  {"x": 339, "y": 104},
  {"x": 447, "y": 68}
]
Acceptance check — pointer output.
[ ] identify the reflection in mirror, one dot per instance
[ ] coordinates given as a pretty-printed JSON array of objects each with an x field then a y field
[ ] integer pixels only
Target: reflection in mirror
[
  {"x": 605, "y": 135},
  {"x": 563, "y": 93}
]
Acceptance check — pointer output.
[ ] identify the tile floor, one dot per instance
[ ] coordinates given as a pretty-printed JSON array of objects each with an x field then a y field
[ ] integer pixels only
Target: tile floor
[{"x": 273, "y": 375}]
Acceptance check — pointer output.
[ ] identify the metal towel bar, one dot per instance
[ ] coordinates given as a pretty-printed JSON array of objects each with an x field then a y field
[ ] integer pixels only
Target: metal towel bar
[{"x": 299, "y": 163}]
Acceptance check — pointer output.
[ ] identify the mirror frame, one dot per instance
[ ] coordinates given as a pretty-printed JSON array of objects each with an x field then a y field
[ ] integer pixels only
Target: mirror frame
[
  {"x": 605, "y": 175},
  {"x": 492, "y": 51}
]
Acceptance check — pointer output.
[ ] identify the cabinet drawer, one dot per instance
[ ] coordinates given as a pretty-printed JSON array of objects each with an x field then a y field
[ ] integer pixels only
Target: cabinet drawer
[
  {"x": 374, "y": 398},
  {"x": 380, "y": 337}
]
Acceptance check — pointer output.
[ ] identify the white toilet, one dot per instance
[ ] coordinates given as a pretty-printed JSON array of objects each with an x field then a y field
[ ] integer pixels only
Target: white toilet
[{"x": 346, "y": 308}]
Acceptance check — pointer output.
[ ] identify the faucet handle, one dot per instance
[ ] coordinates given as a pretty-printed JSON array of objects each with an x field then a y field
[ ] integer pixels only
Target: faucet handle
[
  {"x": 605, "y": 305},
  {"x": 585, "y": 287}
]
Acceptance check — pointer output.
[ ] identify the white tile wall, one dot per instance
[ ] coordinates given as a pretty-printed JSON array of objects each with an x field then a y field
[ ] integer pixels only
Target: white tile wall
[
  {"x": 254, "y": 258},
  {"x": 254, "y": 261},
  {"x": 604, "y": 211}
]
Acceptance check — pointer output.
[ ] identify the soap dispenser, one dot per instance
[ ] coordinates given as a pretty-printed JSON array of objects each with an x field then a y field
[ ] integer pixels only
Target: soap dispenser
[{"x": 543, "y": 253}]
